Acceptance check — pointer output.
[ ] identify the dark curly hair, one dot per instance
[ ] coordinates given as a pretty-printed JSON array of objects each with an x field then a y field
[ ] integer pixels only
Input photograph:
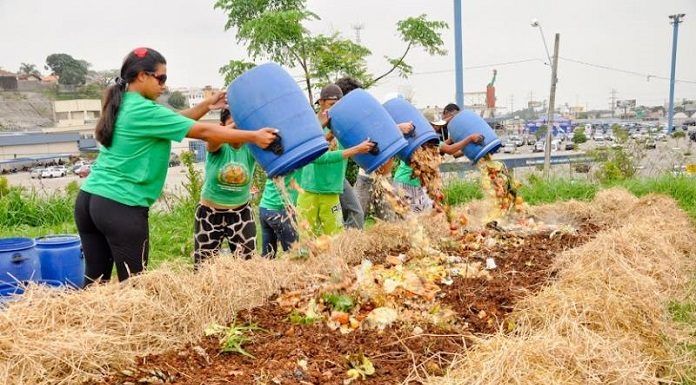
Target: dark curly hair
[{"x": 347, "y": 84}]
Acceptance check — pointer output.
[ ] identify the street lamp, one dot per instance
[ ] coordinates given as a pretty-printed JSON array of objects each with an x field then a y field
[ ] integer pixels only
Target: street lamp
[
  {"x": 535, "y": 23},
  {"x": 552, "y": 97}
]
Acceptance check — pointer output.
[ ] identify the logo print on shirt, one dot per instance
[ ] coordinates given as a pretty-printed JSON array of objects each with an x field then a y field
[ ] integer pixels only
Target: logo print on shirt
[{"x": 233, "y": 175}]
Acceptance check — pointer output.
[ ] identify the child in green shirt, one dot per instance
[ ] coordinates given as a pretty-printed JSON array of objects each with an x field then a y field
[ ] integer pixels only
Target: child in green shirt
[
  {"x": 322, "y": 180},
  {"x": 276, "y": 218},
  {"x": 224, "y": 212}
]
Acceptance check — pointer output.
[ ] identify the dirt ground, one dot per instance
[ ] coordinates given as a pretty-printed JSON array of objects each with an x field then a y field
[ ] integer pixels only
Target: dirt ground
[{"x": 287, "y": 353}]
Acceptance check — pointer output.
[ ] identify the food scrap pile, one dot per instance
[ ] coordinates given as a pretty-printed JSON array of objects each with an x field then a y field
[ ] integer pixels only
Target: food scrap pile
[
  {"x": 500, "y": 188},
  {"x": 403, "y": 287},
  {"x": 425, "y": 163}
]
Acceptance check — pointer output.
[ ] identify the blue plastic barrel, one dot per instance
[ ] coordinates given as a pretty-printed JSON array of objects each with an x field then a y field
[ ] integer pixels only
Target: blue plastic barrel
[
  {"x": 359, "y": 116},
  {"x": 18, "y": 260},
  {"x": 267, "y": 96},
  {"x": 466, "y": 123},
  {"x": 402, "y": 111},
  {"x": 61, "y": 259}
]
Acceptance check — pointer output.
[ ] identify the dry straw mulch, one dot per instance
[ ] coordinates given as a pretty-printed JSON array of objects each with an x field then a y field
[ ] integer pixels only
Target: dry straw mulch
[{"x": 602, "y": 321}]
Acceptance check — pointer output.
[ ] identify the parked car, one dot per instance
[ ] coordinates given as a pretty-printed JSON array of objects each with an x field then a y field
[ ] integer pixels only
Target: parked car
[
  {"x": 650, "y": 144},
  {"x": 36, "y": 173},
  {"x": 598, "y": 137},
  {"x": 509, "y": 147},
  {"x": 54, "y": 172},
  {"x": 569, "y": 146},
  {"x": 83, "y": 171},
  {"x": 517, "y": 141},
  {"x": 539, "y": 146}
]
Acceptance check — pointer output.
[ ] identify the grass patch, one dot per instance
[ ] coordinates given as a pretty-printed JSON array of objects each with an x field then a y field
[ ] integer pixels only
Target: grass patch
[
  {"x": 681, "y": 188},
  {"x": 459, "y": 192}
]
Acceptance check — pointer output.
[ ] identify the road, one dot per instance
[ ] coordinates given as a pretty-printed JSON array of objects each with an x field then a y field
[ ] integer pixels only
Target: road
[
  {"x": 176, "y": 176},
  {"x": 652, "y": 162}
]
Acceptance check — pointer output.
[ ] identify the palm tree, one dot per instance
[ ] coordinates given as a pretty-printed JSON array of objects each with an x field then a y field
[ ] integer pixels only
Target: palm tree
[{"x": 28, "y": 69}]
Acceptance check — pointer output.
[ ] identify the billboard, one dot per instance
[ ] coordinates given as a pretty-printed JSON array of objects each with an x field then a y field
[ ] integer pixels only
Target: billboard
[{"x": 628, "y": 103}]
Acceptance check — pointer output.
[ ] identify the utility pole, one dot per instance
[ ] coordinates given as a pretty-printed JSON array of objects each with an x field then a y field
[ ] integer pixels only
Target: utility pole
[
  {"x": 552, "y": 101},
  {"x": 458, "y": 54},
  {"x": 612, "y": 102},
  {"x": 676, "y": 19}
]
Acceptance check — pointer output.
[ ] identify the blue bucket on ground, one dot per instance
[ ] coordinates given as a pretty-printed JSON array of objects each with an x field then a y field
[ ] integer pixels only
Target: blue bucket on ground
[
  {"x": 402, "y": 111},
  {"x": 466, "y": 123},
  {"x": 267, "y": 96},
  {"x": 18, "y": 260},
  {"x": 61, "y": 259},
  {"x": 359, "y": 116}
]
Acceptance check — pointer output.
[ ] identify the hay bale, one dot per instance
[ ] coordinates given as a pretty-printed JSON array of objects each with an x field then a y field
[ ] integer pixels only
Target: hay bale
[{"x": 604, "y": 319}]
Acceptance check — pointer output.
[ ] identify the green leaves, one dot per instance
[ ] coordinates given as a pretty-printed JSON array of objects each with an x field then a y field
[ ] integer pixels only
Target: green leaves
[
  {"x": 233, "y": 337},
  {"x": 69, "y": 70},
  {"x": 339, "y": 302},
  {"x": 332, "y": 57},
  {"x": 234, "y": 68},
  {"x": 274, "y": 30},
  {"x": 419, "y": 31}
]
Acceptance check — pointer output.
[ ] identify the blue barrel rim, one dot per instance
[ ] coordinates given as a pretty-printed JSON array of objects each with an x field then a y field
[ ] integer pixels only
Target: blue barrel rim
[
  {"x": 299, "y": 157},
  {"x": 490, "y": 148},
  {"x": 384, "y": 155},
  {"x": 16, "y": 244},
  {"x": 406, "y": 153},
  {"x": 57, "y": 239}
]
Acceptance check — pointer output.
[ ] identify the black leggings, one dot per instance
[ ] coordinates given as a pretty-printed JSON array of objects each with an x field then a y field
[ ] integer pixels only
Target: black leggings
[{"x": 111, "y": 232}]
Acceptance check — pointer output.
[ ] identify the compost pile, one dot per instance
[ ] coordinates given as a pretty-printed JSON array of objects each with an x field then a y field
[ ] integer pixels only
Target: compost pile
[{"x": 400, "y": 303}]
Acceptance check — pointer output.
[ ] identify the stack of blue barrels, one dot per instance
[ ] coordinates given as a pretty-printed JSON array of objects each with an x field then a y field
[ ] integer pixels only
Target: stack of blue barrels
[{"x": 55, "y": 261}]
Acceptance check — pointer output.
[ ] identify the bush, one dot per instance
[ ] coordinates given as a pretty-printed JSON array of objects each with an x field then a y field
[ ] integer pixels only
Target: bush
[{"x": 579, "y": 136}]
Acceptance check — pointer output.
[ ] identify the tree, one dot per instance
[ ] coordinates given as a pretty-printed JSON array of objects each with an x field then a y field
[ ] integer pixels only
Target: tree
[
  {"x": 177, "y": 100},
  {"x": 417, "y": 32},
  {"x": 103, "y": 78},
  {"x": 69, "y": 70},
  {"x": 274, "y": 30},
  {"x": 29, "y": 69}
]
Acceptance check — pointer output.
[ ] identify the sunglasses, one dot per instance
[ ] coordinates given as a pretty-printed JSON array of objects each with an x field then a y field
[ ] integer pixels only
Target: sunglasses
[{"x": 161, "y": 79}]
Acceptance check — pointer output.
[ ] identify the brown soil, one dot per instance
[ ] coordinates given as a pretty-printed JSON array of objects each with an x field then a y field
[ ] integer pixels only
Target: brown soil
[{"x": 313, "y": 354}]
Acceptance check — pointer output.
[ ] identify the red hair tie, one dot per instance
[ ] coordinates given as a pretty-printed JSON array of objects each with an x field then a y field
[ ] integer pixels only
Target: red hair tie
[{"x": 140, "y": 52}]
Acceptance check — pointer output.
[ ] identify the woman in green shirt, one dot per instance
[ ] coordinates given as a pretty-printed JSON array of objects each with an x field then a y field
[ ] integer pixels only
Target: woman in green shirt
[
  {"x": 224, "y": 212},
  {"x": 111, "y": 211}
]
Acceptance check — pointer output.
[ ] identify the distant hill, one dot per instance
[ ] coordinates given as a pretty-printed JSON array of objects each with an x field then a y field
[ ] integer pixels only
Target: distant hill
[{"x": 20, "y": 111}]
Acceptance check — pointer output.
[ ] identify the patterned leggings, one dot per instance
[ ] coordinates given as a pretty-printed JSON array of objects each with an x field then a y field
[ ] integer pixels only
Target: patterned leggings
[{"x": 213, "y": 226}]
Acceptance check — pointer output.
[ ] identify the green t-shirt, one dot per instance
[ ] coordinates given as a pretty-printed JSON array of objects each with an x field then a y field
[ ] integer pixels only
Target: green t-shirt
[
  {"x": 132, "y": 170},
  {"x": 325, "y": 174},
  {"x": 271, "y": 196},
  {"x": 228, "y": 175},
  {"x": 404, "y": 174}
]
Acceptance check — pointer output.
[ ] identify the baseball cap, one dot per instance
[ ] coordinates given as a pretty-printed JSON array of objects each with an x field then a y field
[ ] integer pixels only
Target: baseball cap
[
  {"x": 440, "y": 122},
  {"x": 330, "y": 92}
]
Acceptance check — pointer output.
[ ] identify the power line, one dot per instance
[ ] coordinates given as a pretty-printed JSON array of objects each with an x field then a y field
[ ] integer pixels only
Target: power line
[
  {"x": 645, "y": 75},
  {"x": 480, "y": 66}
]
